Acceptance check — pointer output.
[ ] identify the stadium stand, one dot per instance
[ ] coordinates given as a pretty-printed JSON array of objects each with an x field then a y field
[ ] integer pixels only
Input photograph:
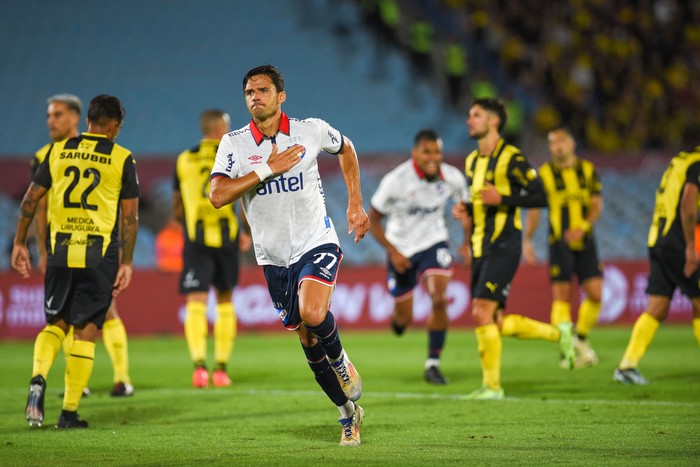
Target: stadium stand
[
  {"x": 623, "y": 75},
  {"x": 341, "y": 61},
  {"x": 152, "y": 55}
]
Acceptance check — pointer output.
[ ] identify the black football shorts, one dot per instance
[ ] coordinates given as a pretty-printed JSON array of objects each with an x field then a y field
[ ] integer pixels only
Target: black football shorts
[
  {"x": 78, "y": 295},
  {"x": 565, "y": 262},
  {"x": 205, "y": 266}
]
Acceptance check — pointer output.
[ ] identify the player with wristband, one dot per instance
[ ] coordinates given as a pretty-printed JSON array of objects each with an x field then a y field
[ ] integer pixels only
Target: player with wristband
[{"x": 271, "y": 165}]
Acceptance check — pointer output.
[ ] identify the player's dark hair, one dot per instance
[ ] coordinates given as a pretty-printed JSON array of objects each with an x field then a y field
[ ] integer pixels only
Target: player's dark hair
[
  {"x": 494, "y": 105},
  {"x": 104, "y": 108},
  {"x": 427, "y": 134},
  {"x": 269, "y": 71}
]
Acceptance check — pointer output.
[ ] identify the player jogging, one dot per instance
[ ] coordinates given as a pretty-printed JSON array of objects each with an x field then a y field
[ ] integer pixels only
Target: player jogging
[{"x": 413, "y": 198}]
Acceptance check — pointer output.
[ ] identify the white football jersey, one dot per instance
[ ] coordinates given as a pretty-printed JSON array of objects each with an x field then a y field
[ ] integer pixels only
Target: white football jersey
[
  {"x": 415, "y": 207},
  {"x": 287, "y": 214}
]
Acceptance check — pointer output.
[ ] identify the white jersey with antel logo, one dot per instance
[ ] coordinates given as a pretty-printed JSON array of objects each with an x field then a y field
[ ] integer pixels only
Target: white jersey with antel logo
[
  {"x": 415, "y": 207},
  {"x": 287, "y": 214}
]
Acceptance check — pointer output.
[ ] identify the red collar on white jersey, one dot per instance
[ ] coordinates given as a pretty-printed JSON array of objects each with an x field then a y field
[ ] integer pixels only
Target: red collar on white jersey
[
  {"x": 422, "y": 174},
  {"x": 258, "y": 136}
]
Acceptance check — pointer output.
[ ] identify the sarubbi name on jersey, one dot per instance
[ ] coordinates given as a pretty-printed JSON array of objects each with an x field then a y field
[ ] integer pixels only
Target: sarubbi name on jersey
[
  {"x": 85, "y": 156},
  {"x": 281, "y": 184}
]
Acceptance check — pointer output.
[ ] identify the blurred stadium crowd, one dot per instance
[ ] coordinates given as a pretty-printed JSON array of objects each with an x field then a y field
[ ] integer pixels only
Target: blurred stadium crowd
[{"x": 624, "y": 75}]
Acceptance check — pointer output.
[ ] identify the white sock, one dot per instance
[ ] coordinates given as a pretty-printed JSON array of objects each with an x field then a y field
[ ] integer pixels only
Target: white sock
[
  {"x": 432, "y": 362},
  {"x": 347, "y": 410}
]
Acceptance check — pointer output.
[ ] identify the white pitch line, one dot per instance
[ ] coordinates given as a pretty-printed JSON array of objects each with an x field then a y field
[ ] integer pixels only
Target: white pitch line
[
  {"x": 429, "y": 396},
  {"x": 385, "y": 395}
]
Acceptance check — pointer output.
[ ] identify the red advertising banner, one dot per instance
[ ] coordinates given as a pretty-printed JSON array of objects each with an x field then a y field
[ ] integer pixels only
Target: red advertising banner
[{"x": 152, "y": 304}]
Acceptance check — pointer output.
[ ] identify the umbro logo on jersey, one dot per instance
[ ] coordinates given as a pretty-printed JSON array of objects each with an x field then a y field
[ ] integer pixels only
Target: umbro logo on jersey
[
  {"x": 325, "y": 273},
  {"x": 281, "y": 184},
  {"x": 255, "y": 159}
]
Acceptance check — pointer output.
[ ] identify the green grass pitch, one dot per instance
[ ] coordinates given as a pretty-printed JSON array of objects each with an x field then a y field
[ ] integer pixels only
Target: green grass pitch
[{"x": 275, "y": 414}]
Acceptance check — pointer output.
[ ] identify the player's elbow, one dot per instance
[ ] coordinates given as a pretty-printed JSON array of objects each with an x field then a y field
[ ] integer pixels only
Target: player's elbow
[
  {"x": 216, "y": 194},
  {"x": 216, "y": 199}
]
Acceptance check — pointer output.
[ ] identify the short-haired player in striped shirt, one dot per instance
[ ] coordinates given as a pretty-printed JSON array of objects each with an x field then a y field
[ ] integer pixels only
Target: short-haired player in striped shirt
[
  {"x": 575, "y": 202},
  {"x": 62, "y": 119},
  {"x": 93, "y": 205}
]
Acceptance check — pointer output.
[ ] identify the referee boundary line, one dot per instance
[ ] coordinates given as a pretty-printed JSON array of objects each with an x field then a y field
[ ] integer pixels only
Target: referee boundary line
[{"x": 386, "y": 395}]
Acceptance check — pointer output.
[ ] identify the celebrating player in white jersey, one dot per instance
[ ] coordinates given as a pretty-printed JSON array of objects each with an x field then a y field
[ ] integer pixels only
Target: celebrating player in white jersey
[
  {"x": 293, "y": 237},
  {"x": 413, "y": 197}
]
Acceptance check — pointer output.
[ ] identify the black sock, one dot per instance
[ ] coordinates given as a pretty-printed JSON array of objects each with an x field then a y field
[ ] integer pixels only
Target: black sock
[
  {"x": 436, "y": 341},
  {"x": 325, "y": 376},
  {"x": 327, "y": 333}
]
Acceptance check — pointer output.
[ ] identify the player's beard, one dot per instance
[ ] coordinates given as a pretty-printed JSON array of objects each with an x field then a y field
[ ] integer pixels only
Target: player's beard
[{"x": 263, "y": 113}]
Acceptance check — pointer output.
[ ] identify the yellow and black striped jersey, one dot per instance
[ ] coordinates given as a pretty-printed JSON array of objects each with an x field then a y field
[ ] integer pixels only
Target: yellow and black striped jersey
[
  {"x": 87, "y": 176},
  {"x": 666, "y": 229},
  {"x": 204, "y": 224},
  {"x": 569, "y": 192},
  {"x": 39, "y": 157},
  {"x": 517, "y": 182}
]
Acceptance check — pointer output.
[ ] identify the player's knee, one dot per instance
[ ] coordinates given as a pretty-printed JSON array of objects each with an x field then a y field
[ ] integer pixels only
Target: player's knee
[
  {"x": 439, "y": 302},
  {"x": 112, "y": 312},
  {"x": 658, "y": 308},
  {"x": 593, "y": 289},
  {"x": 696, "y": 307},
  {"x": 88, "y": 332},
  {"x": 595, "y": 297},
  {"x": 224, "y": 296},
  {"x": 313, "y": 315},
  {"x": 307, "y": 339},
  {"x": 561, "y": 291},
  {"x": 483, "y": 312},
  {"x": 402, "y": 318}
]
